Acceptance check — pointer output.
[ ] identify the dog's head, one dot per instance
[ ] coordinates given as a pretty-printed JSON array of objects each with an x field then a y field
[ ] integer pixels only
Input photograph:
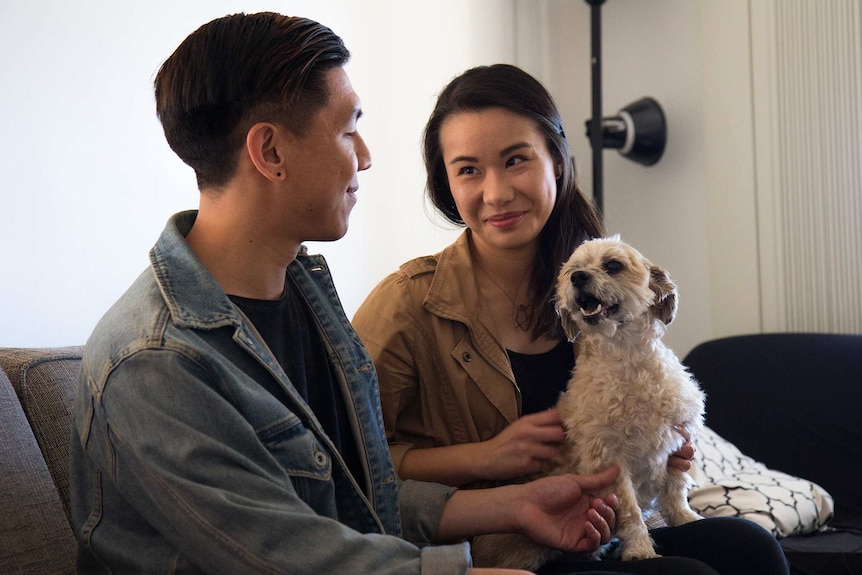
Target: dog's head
[{"x": 606, "y": 284}]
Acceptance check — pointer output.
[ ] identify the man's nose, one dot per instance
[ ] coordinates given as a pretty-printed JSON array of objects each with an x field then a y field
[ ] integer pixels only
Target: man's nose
[{"x": 363, "y": 154}]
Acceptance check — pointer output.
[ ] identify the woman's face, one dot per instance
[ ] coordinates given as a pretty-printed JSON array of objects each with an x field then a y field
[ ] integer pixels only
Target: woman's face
[{"x": 502, "y": 176}]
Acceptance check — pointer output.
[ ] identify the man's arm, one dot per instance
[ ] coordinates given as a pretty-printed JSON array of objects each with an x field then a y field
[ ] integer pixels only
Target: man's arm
[
  {"x": 557, "y": 511},
  {"x": 178, "y": 448}
]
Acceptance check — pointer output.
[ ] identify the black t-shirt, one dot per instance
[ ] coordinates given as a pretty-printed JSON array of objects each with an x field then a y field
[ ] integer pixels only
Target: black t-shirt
[
  {"x": 286, "y": 326},
  {"x": 542, "y": 377}
]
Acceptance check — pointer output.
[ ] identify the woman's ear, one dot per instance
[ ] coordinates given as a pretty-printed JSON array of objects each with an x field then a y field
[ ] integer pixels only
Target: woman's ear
[{"x": 262, "y": 143}]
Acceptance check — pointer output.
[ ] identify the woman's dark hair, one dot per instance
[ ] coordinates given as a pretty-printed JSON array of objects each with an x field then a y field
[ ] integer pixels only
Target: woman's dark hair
[
  {"x": 236, "y": 71},
  {"x": 573, "y": 219}
]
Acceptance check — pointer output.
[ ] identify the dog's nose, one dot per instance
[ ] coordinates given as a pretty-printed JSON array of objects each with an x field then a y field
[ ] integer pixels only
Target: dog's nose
[{"x": 579, "y": 278}]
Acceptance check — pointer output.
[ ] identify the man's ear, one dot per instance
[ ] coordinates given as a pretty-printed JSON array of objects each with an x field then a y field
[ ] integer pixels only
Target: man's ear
[{"x": 262, "y": 143}]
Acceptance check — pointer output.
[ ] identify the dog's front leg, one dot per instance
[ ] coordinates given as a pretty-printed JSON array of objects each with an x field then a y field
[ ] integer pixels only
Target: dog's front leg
[
  {"x": 673, "y": 500},
  {"x": 631, "y": 529}
]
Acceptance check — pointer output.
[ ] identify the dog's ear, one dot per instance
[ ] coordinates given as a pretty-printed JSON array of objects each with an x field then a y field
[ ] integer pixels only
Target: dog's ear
[
  {"x": 666, "y": 303},
  {"x": 570, "y": 327}
]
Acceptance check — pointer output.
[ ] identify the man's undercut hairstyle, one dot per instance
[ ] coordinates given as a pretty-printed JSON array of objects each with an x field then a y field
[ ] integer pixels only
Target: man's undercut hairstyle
[{"x": 236, "y": 71}]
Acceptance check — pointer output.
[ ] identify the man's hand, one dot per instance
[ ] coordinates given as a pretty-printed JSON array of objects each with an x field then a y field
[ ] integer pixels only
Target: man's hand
[
  {"x": 559, "y": 512},
  {"x": 681, "y": 459}
]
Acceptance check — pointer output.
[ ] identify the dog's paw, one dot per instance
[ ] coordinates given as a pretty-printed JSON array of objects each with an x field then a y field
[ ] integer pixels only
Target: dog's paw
[
  {"x": 682, "y": 517},
  {"x": 638, "y": 552}
]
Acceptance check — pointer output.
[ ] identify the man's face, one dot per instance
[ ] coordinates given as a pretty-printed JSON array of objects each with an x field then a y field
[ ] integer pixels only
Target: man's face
[{"x": 322, "y": 166}]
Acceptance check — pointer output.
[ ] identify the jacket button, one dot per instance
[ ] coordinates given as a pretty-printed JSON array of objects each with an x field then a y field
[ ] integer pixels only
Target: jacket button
[
  {"x": 319, "y": 458},
  {"x": 467, "y": 357}
]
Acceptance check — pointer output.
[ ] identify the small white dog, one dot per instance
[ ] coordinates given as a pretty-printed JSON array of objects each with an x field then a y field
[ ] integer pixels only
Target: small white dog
[{"x": 626, "y": 400}]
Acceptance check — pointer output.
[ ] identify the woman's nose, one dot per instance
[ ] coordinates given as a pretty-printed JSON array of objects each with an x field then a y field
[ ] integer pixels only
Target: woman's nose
[{"x": 497, "y": 189}]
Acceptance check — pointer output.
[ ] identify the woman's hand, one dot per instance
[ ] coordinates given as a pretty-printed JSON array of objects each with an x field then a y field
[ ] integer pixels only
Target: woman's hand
[
  {"x": 681, "y": 459},
  {"x": 523, "y": 446},
  {"x": 520, "y": 449}
]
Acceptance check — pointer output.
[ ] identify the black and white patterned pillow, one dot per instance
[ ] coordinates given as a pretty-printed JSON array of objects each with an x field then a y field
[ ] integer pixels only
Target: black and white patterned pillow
[{"x": 730, "y": 483}]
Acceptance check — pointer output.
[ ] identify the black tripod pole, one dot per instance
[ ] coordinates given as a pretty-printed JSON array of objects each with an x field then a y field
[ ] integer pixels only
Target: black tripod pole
[{"x": 596, "y": 130}]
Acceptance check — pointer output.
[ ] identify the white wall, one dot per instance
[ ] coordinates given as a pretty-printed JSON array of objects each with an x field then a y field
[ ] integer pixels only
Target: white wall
[
  {"x": 88, "y": 180},
  {"x": 693, "y": 211}
]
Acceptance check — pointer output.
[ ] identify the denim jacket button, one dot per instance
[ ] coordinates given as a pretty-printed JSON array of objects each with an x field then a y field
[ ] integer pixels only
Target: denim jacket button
[{"x": 319, "y": 458}]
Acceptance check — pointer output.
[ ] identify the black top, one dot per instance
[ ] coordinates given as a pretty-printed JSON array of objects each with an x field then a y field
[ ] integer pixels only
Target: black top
[
  {"x": 542, "y": 377},
  {"x": 285, "y": 326}
]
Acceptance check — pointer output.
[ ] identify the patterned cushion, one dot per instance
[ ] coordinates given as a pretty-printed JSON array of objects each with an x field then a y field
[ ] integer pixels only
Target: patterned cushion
[{"x": 733, "y": 484}]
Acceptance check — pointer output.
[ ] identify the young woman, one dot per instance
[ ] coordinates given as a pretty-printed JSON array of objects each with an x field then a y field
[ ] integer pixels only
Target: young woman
[{"x": 469, "y": 351}]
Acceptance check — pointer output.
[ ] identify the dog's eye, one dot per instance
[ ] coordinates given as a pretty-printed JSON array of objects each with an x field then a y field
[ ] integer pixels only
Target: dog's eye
[{"x": 613, "y": 267}]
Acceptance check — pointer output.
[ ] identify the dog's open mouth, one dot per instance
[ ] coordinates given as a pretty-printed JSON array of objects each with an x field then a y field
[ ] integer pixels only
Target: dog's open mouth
[{"x": 593, "y": 309}]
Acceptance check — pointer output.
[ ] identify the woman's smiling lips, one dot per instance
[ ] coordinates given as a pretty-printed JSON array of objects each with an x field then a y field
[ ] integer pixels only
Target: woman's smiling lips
[{"x": 506, "y": 220}]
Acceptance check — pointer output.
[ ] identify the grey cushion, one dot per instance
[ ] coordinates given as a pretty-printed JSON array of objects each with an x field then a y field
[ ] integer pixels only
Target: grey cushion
[
  {"x": 35, "y": 536},
  {"x": 44, "y": 380}
]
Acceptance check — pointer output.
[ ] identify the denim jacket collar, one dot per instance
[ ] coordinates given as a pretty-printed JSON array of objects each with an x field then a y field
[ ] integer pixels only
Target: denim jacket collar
[{"x": 193, "y": 296}]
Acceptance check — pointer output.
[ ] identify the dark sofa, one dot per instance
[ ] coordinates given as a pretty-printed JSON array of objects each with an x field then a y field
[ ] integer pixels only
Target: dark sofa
[{"x": 792, "y": 401}]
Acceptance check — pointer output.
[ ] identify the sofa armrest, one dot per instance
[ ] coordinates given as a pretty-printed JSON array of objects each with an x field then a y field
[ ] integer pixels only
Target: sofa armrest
[
  {"x": 45, "y": 380},
  {"x": 35, "y": 536}
]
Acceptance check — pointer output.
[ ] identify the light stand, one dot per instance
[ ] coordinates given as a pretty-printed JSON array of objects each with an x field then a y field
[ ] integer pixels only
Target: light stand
[{"x": 638, "y": 131}]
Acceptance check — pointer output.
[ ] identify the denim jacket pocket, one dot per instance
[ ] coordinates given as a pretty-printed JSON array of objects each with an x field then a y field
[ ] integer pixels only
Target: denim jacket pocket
[
  {"x": 297, "y": 449},
  {"x": 305, "y": 460}
]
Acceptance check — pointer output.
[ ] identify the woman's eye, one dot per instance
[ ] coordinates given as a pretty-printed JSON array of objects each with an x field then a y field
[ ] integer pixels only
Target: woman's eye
[
  {"x": 466, "y": 171},
  {"x": 613, "y": 267},
  {"x": 514, "y": 161}
]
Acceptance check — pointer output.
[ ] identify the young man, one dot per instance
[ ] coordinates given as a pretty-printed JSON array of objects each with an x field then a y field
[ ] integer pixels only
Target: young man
[{"x": 227, "y": 417}]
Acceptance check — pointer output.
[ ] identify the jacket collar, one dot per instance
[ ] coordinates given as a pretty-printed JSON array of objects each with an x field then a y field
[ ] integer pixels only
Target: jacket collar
[
  {"x": 453, "y": 293},
  {"x": 193, "y": 296}
]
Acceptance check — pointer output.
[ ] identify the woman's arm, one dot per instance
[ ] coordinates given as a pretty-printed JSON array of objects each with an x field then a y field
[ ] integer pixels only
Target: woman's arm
[{"x": 518, "y": 450}]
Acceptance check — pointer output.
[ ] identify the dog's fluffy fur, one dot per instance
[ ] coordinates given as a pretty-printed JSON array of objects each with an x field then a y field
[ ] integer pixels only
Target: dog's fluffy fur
[{"x": 625, "y": 400}]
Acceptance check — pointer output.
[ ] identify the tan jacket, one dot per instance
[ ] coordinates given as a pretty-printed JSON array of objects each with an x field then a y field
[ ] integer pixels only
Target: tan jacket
[{"x": 444, "y": 378}]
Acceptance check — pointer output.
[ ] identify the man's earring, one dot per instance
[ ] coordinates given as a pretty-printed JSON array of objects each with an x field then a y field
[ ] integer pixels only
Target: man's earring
[{"x": 278, "y": 174}]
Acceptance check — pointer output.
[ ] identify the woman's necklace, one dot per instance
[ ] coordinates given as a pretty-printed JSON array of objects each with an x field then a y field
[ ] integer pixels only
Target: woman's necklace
[{"x": 522, "y": 314}]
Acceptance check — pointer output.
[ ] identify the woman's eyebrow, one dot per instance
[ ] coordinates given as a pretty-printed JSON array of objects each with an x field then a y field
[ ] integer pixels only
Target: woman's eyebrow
[
  {"x": 508, "y": 150},
  {"x": 457, "y": 159},
  {"x": 504, "y": 152}
]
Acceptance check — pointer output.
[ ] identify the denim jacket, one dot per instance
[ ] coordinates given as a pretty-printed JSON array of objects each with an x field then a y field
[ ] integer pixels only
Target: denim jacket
[{"x": 183, "y": 462}]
